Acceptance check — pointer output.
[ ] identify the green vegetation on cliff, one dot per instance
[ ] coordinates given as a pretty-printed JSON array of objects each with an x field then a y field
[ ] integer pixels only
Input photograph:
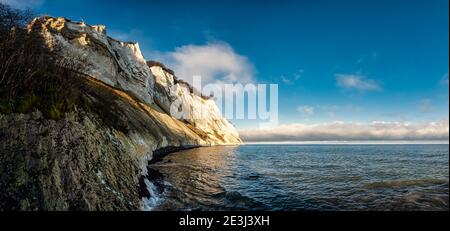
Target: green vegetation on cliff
[{"x": 31, "y": 76}]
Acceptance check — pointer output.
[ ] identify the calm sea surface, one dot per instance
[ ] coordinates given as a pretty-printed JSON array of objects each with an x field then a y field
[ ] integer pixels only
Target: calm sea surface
[{"x": 302, "y": 177}]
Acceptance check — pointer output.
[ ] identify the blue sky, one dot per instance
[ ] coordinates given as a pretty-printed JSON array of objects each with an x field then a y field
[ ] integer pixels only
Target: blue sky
[{"x": 352, "y": 61}]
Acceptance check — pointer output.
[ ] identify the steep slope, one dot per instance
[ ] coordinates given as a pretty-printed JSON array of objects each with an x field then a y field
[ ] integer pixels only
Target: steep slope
[
  {"x": 122, "y": 66},
  {"x": 94, "y": 157}
]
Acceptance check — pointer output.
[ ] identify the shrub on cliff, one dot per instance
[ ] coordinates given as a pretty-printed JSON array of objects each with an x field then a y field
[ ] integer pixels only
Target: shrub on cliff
[
  {"x": 152, "y": 63},
  {"x": 10, "y": 18},
  {"x": 31, "y": 76}
]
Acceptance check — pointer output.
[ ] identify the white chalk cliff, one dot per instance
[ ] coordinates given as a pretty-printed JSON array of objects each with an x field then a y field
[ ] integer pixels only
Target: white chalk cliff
[
  {"x": 95, "y": 156},
  {"x": 122, "y": 66}
]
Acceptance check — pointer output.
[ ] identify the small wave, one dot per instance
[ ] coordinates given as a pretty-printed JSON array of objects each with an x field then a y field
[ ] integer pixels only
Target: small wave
[
  {"x": 252, "y": 177},
  {"x": 151, "y": 188},
  {"x": 155, "y": 198},
  {"x": 404, "y": 183},
  {"x": 236, "y": 199}
]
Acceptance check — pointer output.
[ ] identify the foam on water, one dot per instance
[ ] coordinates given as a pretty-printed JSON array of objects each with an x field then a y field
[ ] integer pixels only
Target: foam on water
[{"x": 155, "y": 199}]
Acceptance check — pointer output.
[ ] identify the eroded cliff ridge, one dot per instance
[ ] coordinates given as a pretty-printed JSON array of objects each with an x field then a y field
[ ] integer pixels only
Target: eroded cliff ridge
[
  {"x": 122, "y": 66},
  {"x": 93, "y": 158}
]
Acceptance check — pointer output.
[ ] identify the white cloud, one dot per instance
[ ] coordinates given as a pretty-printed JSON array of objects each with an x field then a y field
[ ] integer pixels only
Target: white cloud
[
  {"x": 367, "y": 57},
  {"x": 286, "y": 80},
  {"x": 426, "y": 106},
  {"x": 306, "y": 110},
  {"x": 444, "y": 80},
  {"x": 22, "y": 4},
  {"x": 216, "y": 62},
  {"x": 290, "y": 80},
  {"x": 348, "y": 131},
  {"x": 356, "y": 82}
]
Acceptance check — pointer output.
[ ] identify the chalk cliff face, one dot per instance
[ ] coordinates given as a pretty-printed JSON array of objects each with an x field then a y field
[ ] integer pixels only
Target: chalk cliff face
[
  {"x": 122, "y": 66},
  {"x": 94, "y": 158}
]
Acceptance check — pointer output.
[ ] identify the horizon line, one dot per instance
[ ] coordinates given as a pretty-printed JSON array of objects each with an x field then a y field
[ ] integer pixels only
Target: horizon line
[{"x": 362, "y": 142}]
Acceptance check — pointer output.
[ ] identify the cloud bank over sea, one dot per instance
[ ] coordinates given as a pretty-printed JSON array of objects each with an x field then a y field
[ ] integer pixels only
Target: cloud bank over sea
[{"x": 349, "y": 131}]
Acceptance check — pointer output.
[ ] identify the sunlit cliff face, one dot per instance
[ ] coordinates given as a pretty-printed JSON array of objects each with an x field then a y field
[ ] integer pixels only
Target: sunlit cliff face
[{"x": 122, "y": 66}]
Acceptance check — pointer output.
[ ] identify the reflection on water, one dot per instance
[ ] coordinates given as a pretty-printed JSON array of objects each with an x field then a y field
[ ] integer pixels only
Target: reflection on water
[{"x": 303, "y": 177}]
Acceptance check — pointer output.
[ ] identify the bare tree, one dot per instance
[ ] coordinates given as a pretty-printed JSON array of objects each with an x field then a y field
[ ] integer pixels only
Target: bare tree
[
  {"x": 10, "y": 17},
  {"x": 31, "y": 75}
]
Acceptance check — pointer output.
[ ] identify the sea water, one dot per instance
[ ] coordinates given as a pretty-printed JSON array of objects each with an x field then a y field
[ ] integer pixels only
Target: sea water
[{"x": 303, "y": 177}]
